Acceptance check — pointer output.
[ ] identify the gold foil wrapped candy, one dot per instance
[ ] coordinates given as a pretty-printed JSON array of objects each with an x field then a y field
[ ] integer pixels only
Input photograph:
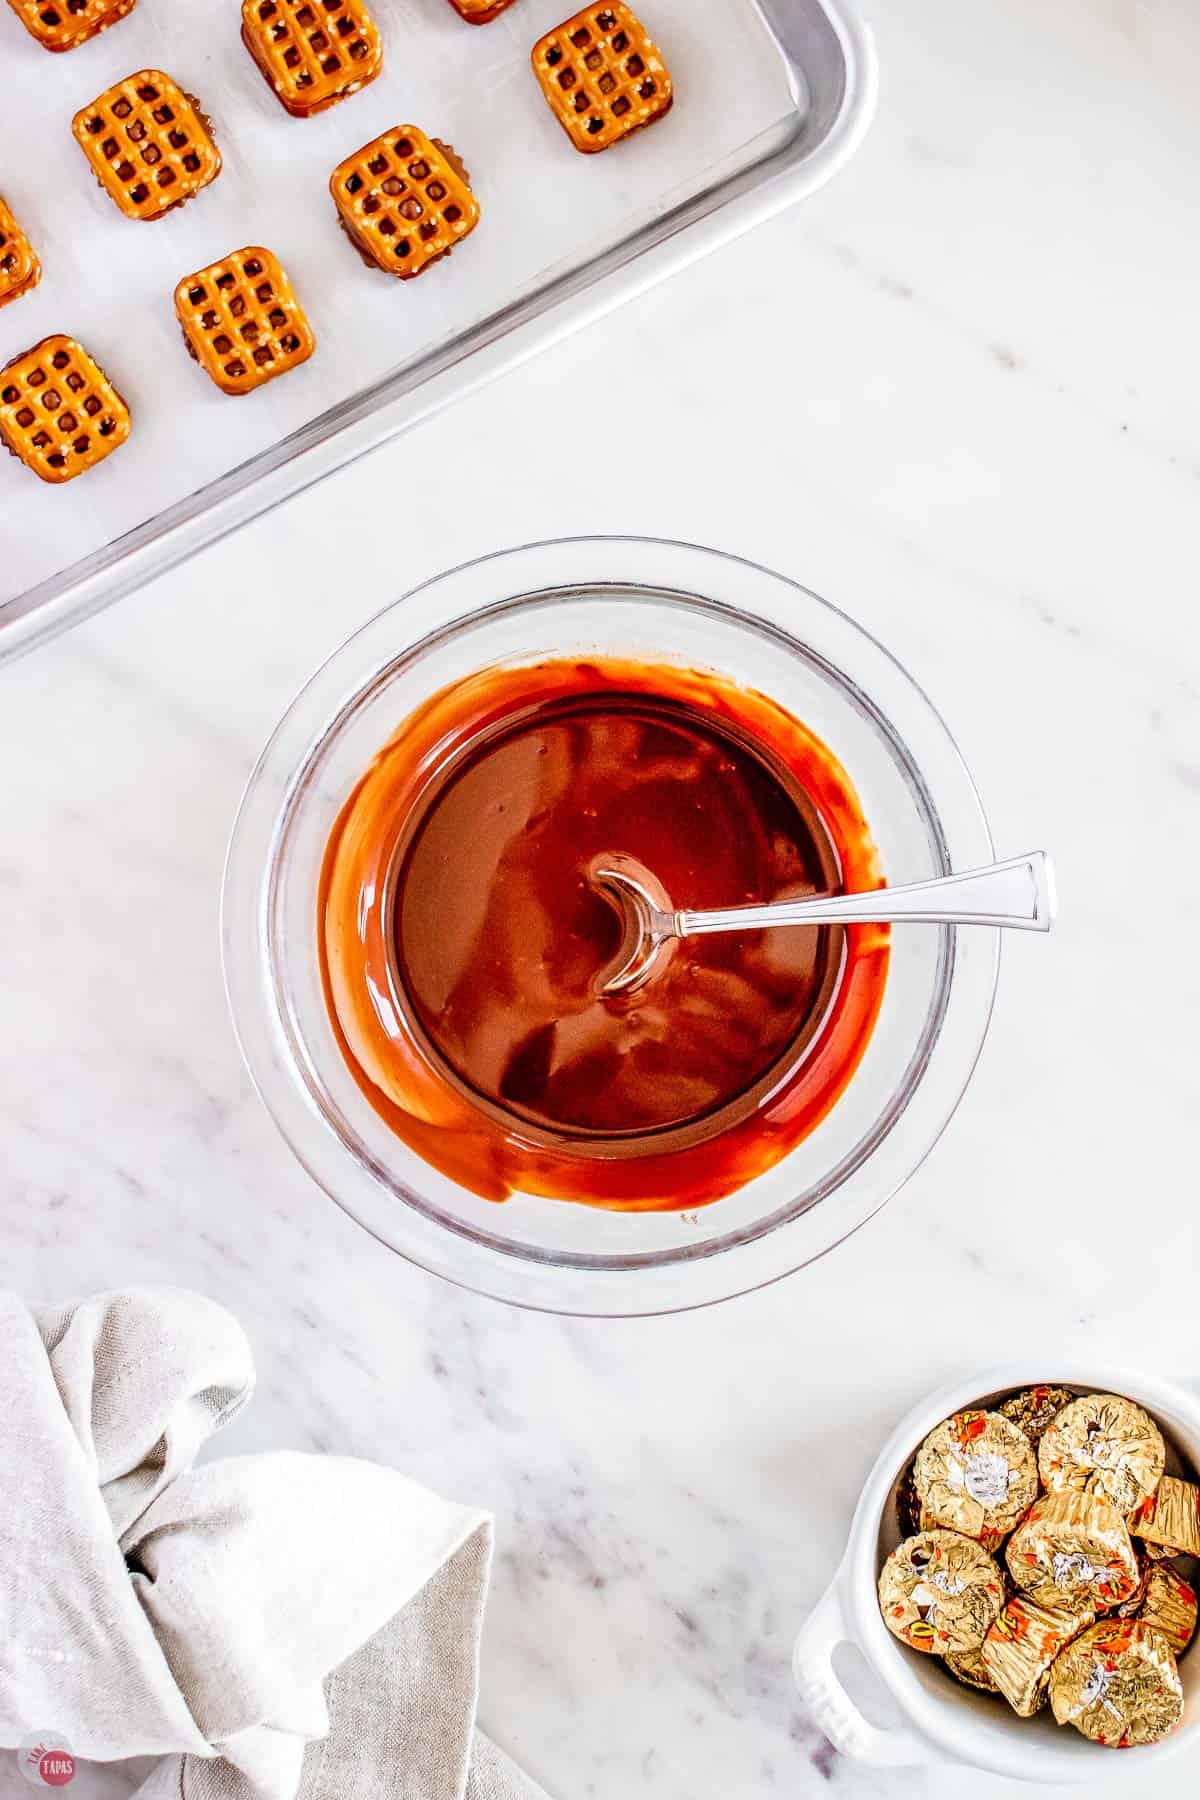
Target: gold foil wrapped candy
[
  {"x": 1020, "y": 1649},
  {"x": 1130, "y": 1608},
  {"x": 1073, "y": 1549},
  {"x": 908, "y": 1505},
  {"x": 1171, "y": 1516},
  {"x": 1118, "y": 1685},
  {"x": 1100, "y": 1619},
  {"x": 1035, "y": 1408},
  {"x": 1169, "y": 1605},
  {"x": 969, "y": 1667},
  {"x": 1102, "y": 1444},
  {"x": 976, "y": 1473},
  {"x": 939, "y": 1592}
]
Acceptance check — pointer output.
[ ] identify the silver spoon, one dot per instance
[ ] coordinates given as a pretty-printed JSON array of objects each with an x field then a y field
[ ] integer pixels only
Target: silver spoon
[{"x": 1018, "y": 894}]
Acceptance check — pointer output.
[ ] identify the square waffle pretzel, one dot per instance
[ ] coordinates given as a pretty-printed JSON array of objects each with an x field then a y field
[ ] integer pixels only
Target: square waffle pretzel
[
  {"x": 603, "y": 76},
  {"x": 59, "y": 412},
  {"x": 480, "y": 12},
  {"x": 149, "y": 144},
  {"x": 242, "y": 322},
  {"x": 312, "y": 52},
  {"x": 20, "y": 269},
  {"x": 64, "y": 24},
  {"x": 404, "y": 201}
]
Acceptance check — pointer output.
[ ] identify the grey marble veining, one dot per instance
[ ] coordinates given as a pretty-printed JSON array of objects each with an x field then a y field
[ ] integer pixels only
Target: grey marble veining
[{"x": 981, "y": 440}]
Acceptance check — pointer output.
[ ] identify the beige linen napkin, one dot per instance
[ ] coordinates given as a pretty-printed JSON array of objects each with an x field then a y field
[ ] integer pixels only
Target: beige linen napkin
[{"x": 279, "y": 1627}]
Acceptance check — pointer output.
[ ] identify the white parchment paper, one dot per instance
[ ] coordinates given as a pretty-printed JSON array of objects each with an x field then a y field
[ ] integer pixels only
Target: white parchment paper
[{"x": 109, "y": 281}]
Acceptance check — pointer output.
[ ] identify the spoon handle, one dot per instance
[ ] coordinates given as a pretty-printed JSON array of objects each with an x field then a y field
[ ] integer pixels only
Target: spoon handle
[{"x": 1019, "y": 894}]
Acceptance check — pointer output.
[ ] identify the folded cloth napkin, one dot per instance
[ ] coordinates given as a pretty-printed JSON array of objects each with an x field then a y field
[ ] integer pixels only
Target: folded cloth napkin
[{"x": 278, "y": 1627}]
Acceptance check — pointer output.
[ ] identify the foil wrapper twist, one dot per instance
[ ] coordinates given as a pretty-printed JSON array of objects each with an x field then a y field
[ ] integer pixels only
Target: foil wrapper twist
[
  {"x": 1171, "y": 1516},
  {"x": 1034, "y": 1409},
  {"x": 939, "y": 1592},
  {"x": 1073, "y": 1549},
  {"x": 1118, "y": 1684},
  {"x": 1021, "y": 1647},
  {"x": 1104, "y": 1445},
  {"x": 976, "y": 1473}
]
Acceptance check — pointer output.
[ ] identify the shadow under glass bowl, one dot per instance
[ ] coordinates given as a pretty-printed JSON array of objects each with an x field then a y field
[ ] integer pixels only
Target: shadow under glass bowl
[{"x": 655, "y": 602}]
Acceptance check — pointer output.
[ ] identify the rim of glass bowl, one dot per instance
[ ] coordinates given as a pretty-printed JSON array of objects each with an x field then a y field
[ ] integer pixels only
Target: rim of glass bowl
[{"x": 751, "y": 596}]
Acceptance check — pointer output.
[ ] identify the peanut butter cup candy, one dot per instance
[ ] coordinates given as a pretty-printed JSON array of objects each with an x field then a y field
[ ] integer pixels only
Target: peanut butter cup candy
[
  {"x": 1130, "y": 1608},
  {"x": 940, "y": 1593},
  {"x": 1073, "y": 1549},
  {"x": 1118, "y": 1684},
  {"x": 1158, "y": 1552},
  {"x": 1021, "y": 1647},
  {"x": 975, "y": 1473},
  {"x": 1106, "y": 1445},
  {"x": 969, "y": 1669},
  {"x": 1170, "y": 1517},
  {"x": 1169, "y": 1605},
  {"x": 908, "y": 1501},
  {"x": 1035, "y": 1409}
]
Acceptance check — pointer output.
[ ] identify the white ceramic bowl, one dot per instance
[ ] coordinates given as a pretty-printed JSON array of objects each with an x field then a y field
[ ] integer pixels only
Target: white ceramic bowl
[{"x": 940, "y": 1722}]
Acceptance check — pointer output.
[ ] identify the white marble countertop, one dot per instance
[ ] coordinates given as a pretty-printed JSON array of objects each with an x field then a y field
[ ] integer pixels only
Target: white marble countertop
[{"x": 954, "y": 393}]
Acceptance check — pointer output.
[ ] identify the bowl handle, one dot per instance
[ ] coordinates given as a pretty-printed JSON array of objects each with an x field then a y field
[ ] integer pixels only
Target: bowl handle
[{"x": 830, "y": 1704}]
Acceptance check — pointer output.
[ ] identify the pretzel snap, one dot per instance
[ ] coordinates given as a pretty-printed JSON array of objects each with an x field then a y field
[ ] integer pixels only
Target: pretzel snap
[
  {"x": 149, "y": 145},
  {"x": 313, "y": 53},
  {"x": 242, "y": 321},
  {"x": 404, "y": 201},
  {"x": 20, "y": 269},
  {"x": 65, "y": 24},
  {"x": 602, "y": 76},
  {"x": 59, "y": 412}
]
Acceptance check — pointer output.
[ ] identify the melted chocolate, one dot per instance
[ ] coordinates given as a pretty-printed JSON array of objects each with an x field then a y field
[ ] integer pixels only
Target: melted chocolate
[
  {"x": 462, "y": 937},
  {"x": 501, "y": 934}
]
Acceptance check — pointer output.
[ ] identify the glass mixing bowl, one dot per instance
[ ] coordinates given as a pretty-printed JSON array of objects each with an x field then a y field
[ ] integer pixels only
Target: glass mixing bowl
[{"x": 657, "y": 602}]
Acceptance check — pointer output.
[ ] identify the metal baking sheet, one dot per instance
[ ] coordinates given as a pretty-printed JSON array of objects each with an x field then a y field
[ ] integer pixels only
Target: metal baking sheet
[{"x": 770, "y": 96}]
